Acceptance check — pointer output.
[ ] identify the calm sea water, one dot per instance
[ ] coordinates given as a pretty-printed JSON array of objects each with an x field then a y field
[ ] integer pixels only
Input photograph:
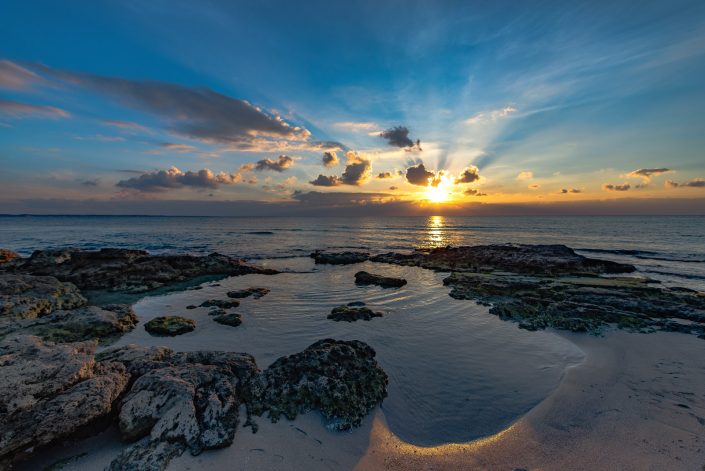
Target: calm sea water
[{"x": 456, "y": 372}]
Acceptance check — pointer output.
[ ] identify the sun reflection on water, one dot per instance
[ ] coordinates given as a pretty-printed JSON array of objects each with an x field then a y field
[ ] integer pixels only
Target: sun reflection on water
[{"x": 436, "y": 235}]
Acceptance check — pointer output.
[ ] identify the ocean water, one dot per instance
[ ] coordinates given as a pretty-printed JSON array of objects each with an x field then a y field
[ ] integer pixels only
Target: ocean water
[{"x": 456, "y": 372}]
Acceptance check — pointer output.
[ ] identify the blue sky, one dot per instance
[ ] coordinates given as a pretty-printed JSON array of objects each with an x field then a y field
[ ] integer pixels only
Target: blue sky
[{"x": 115, "y": 103}]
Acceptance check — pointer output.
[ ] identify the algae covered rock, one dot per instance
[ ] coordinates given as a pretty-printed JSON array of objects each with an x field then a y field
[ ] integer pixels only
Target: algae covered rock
[
  {"x": 28, "y": 297},
  {"x": 339, "y": 258},
  {"x": 220, "y": 303},
  {"x": 256, "y": 293},
  {"x": 170, "y": 325},
  {"x": 365, "y": 278},
  {"x": 231, "y": 319},
  {"x": 339, "y": 378},
  {"x": 351, "y": 314}
]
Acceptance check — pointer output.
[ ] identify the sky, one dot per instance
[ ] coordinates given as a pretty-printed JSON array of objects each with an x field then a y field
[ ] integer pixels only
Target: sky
[{"x": 356, "y": 107}]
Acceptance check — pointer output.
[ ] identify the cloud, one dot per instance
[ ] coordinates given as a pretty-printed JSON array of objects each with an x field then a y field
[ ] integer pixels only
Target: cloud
[
  {"x": 474, "y": 192},
  {"x": 181, "y": 148},
  {"x": 162, "y": 180},
  {"x": 418, "y": 175},
  {"x": 199, "y": 113},
  {"x": 94, "y": 182},
  {"x": 525, "y": 175},
  {"x": 14, "y": 109},
  {"x": 572, "y": 190},
  {"x": 282, "y": 163},
  {"x": 534, "y": 186},
  {"x": 357, "y": 126},
  {"x": 647, "y": 173},
  {"x": 127, "y": 125},
  {"x": 15, "y": 77},
  {"x": 469, "y": 175},
  {"x": 393, "y": 188},
  {"x": 384, "y": 175},
  {"x": 330, "y": 159},
  {"x": 399, "y": 136},
  {"x": 695, "y": 183},
  {"x": 493, "y": 115},
  {"x": 323, "y": 180},
  {"x": 357, "y": 171},
  {"x": 611, "y": 187}
]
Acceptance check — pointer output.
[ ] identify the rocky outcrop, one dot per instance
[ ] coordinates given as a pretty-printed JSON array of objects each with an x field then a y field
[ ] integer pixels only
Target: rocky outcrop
[
  {"x": 170, "y": 325},
  {"x": 220, "y": 303},
  {"x": 130, "y": 271},
  {"x": 339, "y": 378},
  {"x": 7, "y": 256},
  {"x": 365, "y": 278},
  {"x": 352, "y": 314},
  {"x": 232, "y": 319},
  {"x": 515, "y": 258},
  {"x": 28, "y": 297},
  {"x": 256, "y": 293},
  {"x": 339, "y": 258},
  {"x": 50, "y": 392},
  {"x": 84, "y": 323}
]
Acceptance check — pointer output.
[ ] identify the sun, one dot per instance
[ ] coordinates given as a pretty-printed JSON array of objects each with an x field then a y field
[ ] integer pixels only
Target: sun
[{"x": 437, "y": 194}]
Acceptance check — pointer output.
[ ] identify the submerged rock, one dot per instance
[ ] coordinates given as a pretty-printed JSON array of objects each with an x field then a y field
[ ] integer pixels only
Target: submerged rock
[
  {"x": 50, "y": 392},
  {"x": 339, "y": 258},
  {"x": 516, "y": 258},
  {"x": 231, "y": 319},
  {"x": 220, "y": 303},
  {"x": 365, "y": 278},
  {"x": 170, "y": 325},
  {"x": 352, "y": 314},
  {"x": 28, "y": 297},
  {"x": 256, "y": 293},
  {"x": 130, "y": 271},
  {"x": 339, "y": 378}
]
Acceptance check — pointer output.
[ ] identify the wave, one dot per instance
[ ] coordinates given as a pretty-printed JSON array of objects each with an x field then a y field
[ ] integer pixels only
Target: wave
[{"x": 649, "y": 255}]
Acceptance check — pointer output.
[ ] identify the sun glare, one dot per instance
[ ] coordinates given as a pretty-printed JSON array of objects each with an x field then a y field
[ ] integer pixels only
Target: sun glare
[{"x": 439, "y": 193}]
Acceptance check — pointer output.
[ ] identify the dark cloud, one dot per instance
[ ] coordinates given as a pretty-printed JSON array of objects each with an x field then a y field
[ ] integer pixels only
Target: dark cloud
[
  {"x": 383, "y": 175},
  {"x": 357, "y": 171},
  {"x": 473, "y": 192},
  {"x": 323, "y": 180},
  {"x": 418, "y": 175},
  {"x": 199, "y": 113},
  {"x": 393, "y": 188},
  {"x": 647, "y": 173},
  {"x": 162, "y": 180},
  {"x": 469, "y": 175},
  {"x": 572, "y": 190},
  {"x": 94, "y": 182},
  {"x": 696, "y": 183},
  {"x": 399, "y": 136},
  {"x": 15, "y": 109},
  {"x": 282, "y": 163},
  {"x": 330, "y": 159},
  {"x": 611, "y": 187}
]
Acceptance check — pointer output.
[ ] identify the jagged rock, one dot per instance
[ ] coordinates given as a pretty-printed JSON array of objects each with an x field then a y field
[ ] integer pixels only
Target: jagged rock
[
  {"x": 352, "y": 314},
  {"x": 84, "y": 323},
  {"x": 147, "y": 456},
  {"x": 130, "y": 271},
  {"x": 365, "y": 278},
  {"x": 231, "y": 319},
  {"x": 50, "y": 392},
  {"x": 339, "y": 378},
  {"x": 256, "y": 293},
  {"x": 7, "y": 256},
  {"x": 29, "y": 297},
  {"x": 220, "y": 303},
  {"x": 170, "y": 325},
  {"x": 516, "y": 258},
  {"x": 339, "y": 258}
]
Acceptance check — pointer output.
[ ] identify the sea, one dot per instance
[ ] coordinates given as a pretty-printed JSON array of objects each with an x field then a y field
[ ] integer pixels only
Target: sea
[{"x": 456, "y": 372}]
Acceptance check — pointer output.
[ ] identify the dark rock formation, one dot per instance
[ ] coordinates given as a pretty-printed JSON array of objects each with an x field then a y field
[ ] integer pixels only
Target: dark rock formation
[
  {"x": 7, "y": 256},
  {"x": 365, "y": 278},
  {"x": 130, "y": 271},
  {"x": 84, "y": 323},
  {"x": 339, "y": 258},
  {"x": 352, "y": 314},
  {"x": 220, "y": 303},
  {"x": 29, "y": 297},
  {"x": 50, "y": 392},
  {"x": 231, "y": 319},
  {"x": 339, "y": 378},
  {"x": 170, "y": 325},
  {"x": 516, "y": 258},
  {"x": 356, "y": 304},
  {"x": 256, "y": 293},
  {"x": 217, "y": 311}
]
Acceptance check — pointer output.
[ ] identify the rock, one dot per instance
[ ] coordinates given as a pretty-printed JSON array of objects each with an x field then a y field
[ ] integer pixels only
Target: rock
[
  {"x": 352, "y": 314},
  {"x": 340, "y": 258},
  {"x": 29, "y": 297},
  {"x": 51, "y": 392},
  {"x": 84, "y": 323},
  {"x": 217, "y": 311},
  {"x": 339, "y": 378},
  {"x": 7, "y": 256},
  {"x": 221, "y": 303},
  {"x": 170, "y": 325},
  {"x": 256, "y": 293},
  {"x": 356, "y": 304},
  {"x": 130, "y": 271},
  {"x": 364, "y": 278},
  {"x": 232, "y": 319},
  {"x": 191, "y": 306},
  {"x": 515, "y": 258}
]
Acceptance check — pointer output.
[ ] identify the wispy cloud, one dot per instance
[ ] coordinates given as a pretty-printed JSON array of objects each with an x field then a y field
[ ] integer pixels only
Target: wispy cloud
[
  {"x": 16, "y": 77},
  {"x": 493, "y": 115},
  {"x": 357, "y": 126},
  {"x": 613, "y": 187},
  {"x": 14, "y": 109},
  {"x": 695, "y": 183}
]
